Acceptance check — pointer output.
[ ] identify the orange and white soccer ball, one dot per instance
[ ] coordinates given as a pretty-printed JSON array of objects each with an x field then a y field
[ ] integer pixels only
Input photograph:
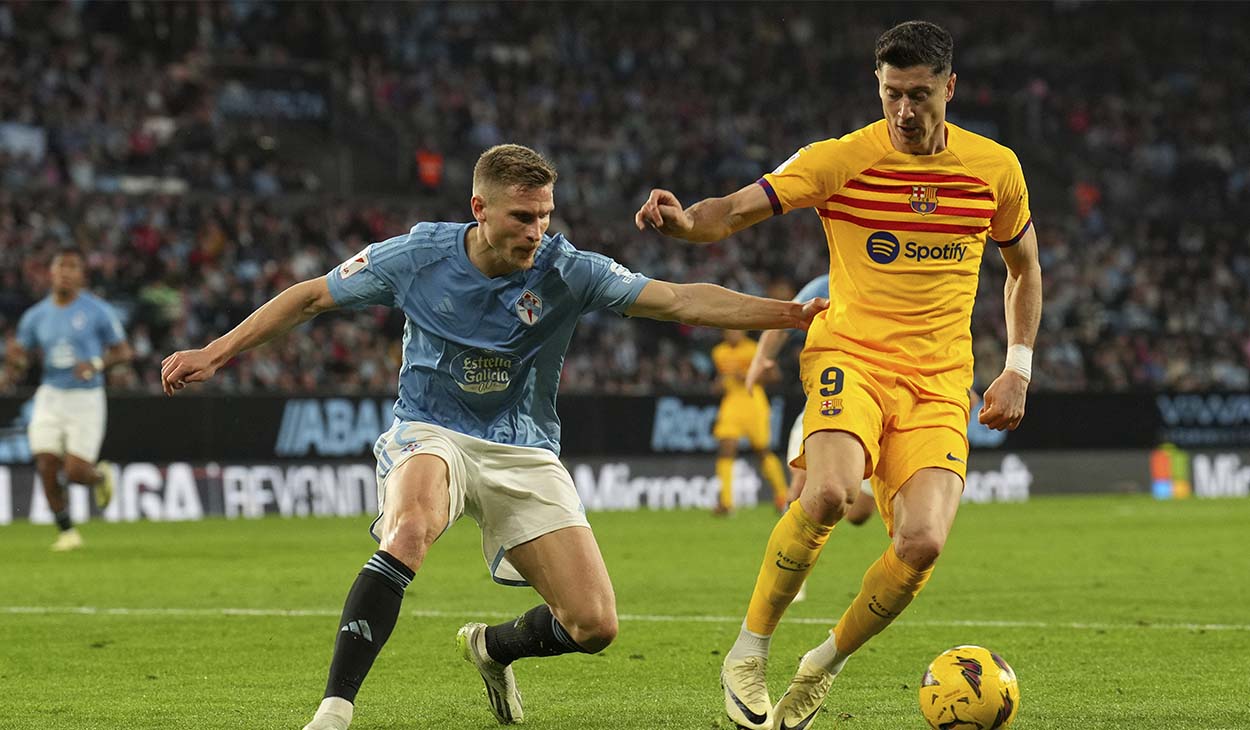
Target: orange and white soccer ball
[{"x": 969, "y": 688}]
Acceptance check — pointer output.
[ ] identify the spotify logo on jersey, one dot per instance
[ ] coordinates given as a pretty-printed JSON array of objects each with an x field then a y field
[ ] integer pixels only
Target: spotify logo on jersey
[{"x": 883, "y": 247}]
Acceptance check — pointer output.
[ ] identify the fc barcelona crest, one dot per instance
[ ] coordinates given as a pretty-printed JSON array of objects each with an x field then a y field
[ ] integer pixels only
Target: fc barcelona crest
[
  {"x": 831, "y": 407},
  {"x": 529, "y": 307},
  {"x": 924, "y": 199}
]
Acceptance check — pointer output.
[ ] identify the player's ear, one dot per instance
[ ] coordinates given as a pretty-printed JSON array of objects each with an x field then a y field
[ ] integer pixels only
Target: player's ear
[
  {"x": 478, "y": 204},
  {"x": 950, "y": 86}
]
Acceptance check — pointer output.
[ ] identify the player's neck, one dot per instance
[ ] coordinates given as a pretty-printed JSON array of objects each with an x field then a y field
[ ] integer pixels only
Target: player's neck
[
  {"x": 937, "y": 143},
  {"x": 483, "y": 256},
  {"x": 62, "y": 299}
]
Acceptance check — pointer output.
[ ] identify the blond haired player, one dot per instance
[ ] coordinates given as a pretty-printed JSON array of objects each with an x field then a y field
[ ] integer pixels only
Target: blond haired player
[
  {"x": 908, "y": 205},
  {"x": 743, "y": 412},
  {"x": 490, "y": 307}
]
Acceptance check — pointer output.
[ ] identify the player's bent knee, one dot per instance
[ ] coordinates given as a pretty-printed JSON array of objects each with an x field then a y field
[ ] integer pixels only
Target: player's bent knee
[
  {"x": 919, "y": 550},
  {"x": 827, "y": 499},
  {"x": 595, "y": 633},
  {"x": 408, "y": 537},
  {"x": 593, "y": 626}
]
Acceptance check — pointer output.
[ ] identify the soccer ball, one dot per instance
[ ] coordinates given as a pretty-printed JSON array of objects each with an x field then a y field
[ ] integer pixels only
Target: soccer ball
[{"x": 969, "y": 688}]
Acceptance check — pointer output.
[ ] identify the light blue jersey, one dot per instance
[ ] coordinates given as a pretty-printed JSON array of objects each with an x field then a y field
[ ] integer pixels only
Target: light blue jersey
[
  {"x": 74, "y": 333},
  {"x": 818, "y": 287},
  {"x": 482, "y": 356}
]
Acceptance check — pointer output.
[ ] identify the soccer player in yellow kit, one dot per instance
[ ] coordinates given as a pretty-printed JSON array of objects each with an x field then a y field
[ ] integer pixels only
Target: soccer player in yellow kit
[
  {"x": 743, "y": 412},
  {"x": 908, "y": 204}
]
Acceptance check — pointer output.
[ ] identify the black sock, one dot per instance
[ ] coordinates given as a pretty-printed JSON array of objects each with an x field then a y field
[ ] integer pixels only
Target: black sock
[
  {"x": 369, "y": 616},
  {"x": 63, "y": 521},
  {"x": 534, "y": 633}
]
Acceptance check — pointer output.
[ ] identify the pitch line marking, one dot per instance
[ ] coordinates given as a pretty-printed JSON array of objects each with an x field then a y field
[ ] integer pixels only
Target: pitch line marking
[{"x": 639, "y": 617}]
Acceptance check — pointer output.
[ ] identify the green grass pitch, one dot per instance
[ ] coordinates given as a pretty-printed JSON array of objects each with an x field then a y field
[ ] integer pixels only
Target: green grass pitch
[{"x": 1116, "y": 612}]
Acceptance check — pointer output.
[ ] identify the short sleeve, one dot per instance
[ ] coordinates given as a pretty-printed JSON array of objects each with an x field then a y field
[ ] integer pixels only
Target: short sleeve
[
  {"x": 366, "y": 278},
  {"x": 1012, "y": 217},
  {"x": 109, "y": 326},
  {"x": 821, "y": 169},
  {"x": 605, "y": 284},
  {"x": 26, "y": 330}
]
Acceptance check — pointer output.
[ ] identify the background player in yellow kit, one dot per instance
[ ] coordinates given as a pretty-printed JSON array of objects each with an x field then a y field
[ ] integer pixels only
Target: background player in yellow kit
[
  {"x": 744, "y": 412},
  {"x": 907, "y": 203}
]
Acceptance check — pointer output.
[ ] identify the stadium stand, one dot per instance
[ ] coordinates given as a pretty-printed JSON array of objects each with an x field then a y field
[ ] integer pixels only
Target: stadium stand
[{"x": 205, "y": 161}]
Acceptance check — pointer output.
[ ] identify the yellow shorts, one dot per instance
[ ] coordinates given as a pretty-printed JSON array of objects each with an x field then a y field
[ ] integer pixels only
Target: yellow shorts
[
  {"x": 902, "y": 429},
  {"x": 743, "y": 415}
]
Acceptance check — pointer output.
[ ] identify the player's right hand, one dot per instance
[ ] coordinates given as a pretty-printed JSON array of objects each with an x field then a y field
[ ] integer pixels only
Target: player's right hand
[
  {"x": 186, "y": 366},
  {"x": 663, "y": 212}
]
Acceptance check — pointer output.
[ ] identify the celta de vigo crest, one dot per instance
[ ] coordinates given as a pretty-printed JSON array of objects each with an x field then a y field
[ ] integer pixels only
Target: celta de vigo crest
[{"x": 529, "y": 307}]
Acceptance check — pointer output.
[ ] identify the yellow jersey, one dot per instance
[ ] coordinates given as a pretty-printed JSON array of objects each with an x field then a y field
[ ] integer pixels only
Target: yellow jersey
[
  {"x": 906, "y": 234},
  {"x": 732, "y": 362}
]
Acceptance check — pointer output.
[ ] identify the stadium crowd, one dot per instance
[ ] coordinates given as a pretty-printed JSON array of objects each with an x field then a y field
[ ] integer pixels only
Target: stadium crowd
[{"x": 118, "y": 134}]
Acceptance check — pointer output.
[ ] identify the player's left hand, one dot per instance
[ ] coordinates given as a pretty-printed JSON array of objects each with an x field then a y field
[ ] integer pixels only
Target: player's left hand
[
  {"x": 1003, "y": 403},
  {"x": 811, "y": 308},
  {"x": 184, "y": 367},
  {"x": 84, "y": 370}
]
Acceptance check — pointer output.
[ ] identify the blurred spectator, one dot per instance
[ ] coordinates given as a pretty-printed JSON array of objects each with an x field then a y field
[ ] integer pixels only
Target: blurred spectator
[{"x": 185, "y": 146}]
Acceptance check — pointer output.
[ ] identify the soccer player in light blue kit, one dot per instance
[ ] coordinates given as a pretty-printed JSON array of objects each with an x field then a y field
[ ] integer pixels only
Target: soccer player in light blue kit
[
  {"x": 490, "y": 307},
  {"x": 80, "y": 337}
]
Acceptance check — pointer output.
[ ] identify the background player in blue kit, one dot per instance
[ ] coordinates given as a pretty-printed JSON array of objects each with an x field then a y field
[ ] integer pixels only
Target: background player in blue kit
[
  {"x": 79, "y": 337},
  {"x": 490, "y": 309}
]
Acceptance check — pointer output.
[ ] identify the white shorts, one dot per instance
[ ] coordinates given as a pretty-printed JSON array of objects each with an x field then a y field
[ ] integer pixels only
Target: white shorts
[
  {"x": 68, "y": 421},
  {"x": 795, "y": 445},
  {"x": 514, "y": 493}
]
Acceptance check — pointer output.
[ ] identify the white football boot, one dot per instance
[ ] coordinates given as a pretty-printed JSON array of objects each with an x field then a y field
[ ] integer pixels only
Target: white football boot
[
  {"x": 67, "y": 540},
  {"x": 104, "y": 490},
  {"x": 335, "y": 713},
  {"x": 746, "y": 692},
  {"x": 805, "y": 696},
  {"x": 505, "y": 698}
]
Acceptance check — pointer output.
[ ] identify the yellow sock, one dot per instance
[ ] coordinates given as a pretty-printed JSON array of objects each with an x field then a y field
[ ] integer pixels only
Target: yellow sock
[
  {"x": 776, "y": 476},
  {"x": 889, "y": 585},
  {"x": 725, "y": 472},
  {"x": 792, "y": 551}
]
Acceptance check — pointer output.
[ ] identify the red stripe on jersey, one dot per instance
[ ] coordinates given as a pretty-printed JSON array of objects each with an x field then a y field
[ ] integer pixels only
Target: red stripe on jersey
[
  {"x": 883, "y": 225},
  {"x": 906, "y": 190},
  {"x": 925, "y": 177},
  {"x": 906, "y": 207}
]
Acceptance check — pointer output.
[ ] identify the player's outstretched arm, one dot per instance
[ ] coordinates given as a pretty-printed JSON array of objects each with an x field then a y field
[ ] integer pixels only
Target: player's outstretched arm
[
  {"x": 291, "y": 308},
  {"x": 708, "y": 220},
  {"x": 764, "y": 361},
  {"x": 710, "y": 305},
  {"x": 1003, "y": 402}
]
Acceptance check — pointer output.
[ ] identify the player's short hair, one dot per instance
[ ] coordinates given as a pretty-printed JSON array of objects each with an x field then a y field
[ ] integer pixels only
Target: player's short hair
[
  {"x": 916, "y": 43},
  {"x": 68, "y": 250},
  {"x": 505, "y": 165}
]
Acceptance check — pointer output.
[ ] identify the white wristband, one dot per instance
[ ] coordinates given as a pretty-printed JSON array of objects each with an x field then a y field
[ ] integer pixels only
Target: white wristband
[
  {"x": 1020, "y": 361},
  {"x": 97, "y": 363}
]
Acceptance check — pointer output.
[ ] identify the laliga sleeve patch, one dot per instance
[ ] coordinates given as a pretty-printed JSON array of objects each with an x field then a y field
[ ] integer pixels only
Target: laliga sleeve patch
[
  {"x": 782, "y": 167},
  {"x": 354, "y": 264}
]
